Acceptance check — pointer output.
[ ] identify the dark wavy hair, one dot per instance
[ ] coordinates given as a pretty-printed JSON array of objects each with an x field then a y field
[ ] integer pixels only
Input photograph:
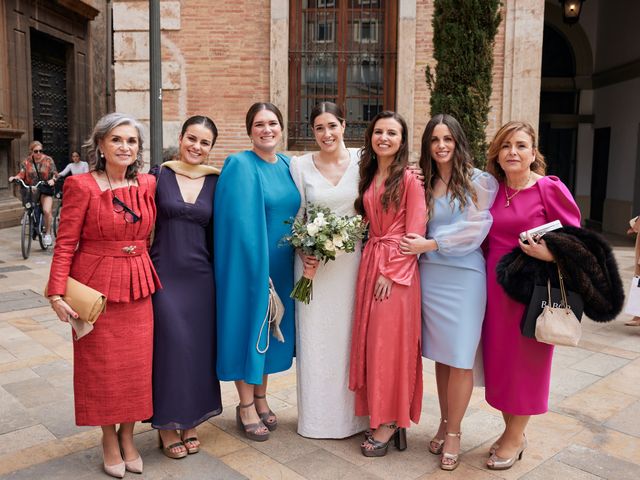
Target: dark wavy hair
[
  {"x": 460, "y": 183},
  {"x": 203, "y": 120},
  {"x": 538, "y": 166},
  {"x": 369, "y": 165},
  {"x": 326, "y": 107},
  {"x": 101, "y": 130},
  {"x": 258, "y": 107}
]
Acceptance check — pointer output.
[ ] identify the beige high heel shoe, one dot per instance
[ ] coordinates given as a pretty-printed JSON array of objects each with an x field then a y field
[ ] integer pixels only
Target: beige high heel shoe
[
  {"x": 436, "y": 444},
  {"x": 134, "y": 466},
  {"x": 498, "y": 463},
  {"x": 450, "y": 456},
  {"x": 116, "y": 471}
]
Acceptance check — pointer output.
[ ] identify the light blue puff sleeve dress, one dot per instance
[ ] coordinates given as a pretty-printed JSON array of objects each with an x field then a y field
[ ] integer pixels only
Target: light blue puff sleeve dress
[{"x": 453, "y": 278}]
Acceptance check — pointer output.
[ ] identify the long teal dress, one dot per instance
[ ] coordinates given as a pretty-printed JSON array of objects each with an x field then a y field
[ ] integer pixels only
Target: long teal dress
[{"x": 252, "y": 202}]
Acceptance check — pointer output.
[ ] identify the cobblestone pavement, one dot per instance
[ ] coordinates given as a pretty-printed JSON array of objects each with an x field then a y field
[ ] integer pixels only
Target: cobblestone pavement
[{"x": 592, "y": 430}]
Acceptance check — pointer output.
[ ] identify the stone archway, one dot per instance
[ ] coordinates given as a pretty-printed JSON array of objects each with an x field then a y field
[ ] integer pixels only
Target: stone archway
[{"x": 567, "y": 67}]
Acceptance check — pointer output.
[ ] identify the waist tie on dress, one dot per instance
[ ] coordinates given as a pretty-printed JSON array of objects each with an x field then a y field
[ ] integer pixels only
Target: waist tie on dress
[
  {"x": 113, "y": 248},
  {"x": 358, "y": 368},
  {"x": 392, "y": 238}
]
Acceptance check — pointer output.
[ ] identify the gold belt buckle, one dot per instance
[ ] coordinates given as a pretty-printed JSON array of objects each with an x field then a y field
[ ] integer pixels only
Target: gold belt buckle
[{"x": 130, "y": 249}]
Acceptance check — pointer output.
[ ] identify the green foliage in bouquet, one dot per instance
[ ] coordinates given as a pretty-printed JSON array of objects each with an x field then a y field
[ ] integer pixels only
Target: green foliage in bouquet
[{"x": 323, "y": 235}]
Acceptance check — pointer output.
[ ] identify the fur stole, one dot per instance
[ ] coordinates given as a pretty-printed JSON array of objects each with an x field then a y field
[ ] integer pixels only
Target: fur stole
[{"x": 588, "y": 266}]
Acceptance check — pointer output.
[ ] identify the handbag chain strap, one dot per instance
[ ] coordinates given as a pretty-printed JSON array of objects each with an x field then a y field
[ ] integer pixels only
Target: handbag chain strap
[{"x": 563, "y": 292}]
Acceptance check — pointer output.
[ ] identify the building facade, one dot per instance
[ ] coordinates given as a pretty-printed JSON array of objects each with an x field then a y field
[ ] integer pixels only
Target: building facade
[
  {"x": 55, "y": 80},
  {"x": 577, "y": 83}
]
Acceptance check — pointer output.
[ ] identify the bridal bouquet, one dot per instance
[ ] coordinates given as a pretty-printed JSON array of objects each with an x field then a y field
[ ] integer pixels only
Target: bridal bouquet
[{"x": 323, "y": 234}]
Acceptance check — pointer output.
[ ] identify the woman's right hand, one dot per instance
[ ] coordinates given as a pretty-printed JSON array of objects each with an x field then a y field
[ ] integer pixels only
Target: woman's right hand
[
  {"x": 309, "y": 264},
  {"x": 63, "y": 310}
]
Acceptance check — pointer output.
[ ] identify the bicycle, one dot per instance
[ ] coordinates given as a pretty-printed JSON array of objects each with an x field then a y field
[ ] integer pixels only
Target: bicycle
[
  {"x": 56, "y": 215},
  {"x": 32, "y": 218}
]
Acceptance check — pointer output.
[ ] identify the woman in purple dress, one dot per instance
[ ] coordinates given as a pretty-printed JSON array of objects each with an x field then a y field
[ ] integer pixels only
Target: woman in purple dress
[
  {"x": 186, "y": 391},
  {"x": 517, "y": 368}
]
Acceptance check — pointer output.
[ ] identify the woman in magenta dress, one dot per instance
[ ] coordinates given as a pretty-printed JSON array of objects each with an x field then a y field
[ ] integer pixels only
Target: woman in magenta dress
[
  {"x": 102, "y": 242},
  {"x": 386, "y": 363},
  {"x": 517, "y": 369}
]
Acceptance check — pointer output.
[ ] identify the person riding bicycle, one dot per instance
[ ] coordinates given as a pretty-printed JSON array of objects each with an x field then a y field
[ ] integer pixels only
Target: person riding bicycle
[
  {"x": 38, "y": 166},
  {"x": 75, "y": 167}
]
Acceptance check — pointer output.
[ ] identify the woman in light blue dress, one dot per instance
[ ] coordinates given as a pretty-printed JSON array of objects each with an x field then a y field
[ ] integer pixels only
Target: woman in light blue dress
[
  {"x": 452, "y": 272},
  {"x": 254, "y": 197}
]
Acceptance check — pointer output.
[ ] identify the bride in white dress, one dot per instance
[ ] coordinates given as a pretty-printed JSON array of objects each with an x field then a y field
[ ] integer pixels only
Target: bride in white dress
[{"x": 323, "y": 327}]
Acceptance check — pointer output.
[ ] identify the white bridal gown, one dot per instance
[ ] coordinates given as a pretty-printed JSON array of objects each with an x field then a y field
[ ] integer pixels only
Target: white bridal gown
[{"x": 323, "y": 327}]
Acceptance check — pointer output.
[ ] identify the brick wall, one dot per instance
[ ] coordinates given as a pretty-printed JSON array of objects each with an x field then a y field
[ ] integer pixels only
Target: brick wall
[{"x": 216, "y": 63}]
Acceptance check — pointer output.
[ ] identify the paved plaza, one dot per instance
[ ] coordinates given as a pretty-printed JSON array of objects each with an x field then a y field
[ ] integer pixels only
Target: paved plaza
[{"x": 592, "y": 430}]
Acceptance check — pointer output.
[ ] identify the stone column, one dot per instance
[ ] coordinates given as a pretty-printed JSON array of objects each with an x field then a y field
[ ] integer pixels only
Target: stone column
[
  {"x": 524, "y": 25},
  {"x": 405, "y": 86},
  {"x": 279, "y": 59}
]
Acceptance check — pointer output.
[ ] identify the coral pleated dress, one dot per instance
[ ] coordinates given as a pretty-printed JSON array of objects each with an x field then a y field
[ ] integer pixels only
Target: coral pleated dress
[{"x": 97, "y": 247}]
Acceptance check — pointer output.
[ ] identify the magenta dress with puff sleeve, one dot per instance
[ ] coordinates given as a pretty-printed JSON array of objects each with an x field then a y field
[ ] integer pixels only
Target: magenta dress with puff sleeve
[{"x": 518, "y": 369}]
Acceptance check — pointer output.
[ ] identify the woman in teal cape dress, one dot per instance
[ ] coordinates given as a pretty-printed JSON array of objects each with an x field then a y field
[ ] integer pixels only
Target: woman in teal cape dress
[{"x": 255, "y": 195}]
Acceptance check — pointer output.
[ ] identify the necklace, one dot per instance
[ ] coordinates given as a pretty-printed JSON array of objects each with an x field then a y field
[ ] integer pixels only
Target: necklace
[
  {"x": 517, "y": 191},
  {"x": 446, "y": 184}
]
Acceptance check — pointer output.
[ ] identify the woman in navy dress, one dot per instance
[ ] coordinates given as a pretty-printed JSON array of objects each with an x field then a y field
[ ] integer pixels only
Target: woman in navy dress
[
  {"x": 254, "y": 198},
  {"x": 186, "y": 391}
]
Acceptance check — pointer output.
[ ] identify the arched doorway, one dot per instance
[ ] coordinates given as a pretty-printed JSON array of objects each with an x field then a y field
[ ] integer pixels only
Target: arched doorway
[{"x": 559, "y": 102}]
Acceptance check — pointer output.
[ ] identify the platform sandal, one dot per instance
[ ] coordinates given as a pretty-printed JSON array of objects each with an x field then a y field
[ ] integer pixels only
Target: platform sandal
[
  {"x": 250, "y": 430},
  {"x": 450, "y": 456}
]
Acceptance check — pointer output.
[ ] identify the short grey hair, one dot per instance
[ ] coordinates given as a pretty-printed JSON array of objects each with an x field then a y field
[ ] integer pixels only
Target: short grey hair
[{"x": 102, "y": 129}]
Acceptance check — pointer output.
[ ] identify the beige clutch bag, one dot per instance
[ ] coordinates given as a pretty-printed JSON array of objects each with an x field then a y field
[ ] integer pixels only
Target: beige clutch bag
[{"x": 87, "y": 302}]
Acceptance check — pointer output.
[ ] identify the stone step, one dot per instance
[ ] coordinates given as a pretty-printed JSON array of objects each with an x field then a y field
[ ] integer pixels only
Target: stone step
[{"x": 10, "y": 212}]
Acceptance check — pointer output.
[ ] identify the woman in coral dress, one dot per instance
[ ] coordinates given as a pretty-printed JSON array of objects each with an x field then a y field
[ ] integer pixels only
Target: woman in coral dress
[
  {"x": 102, "y": 242},
  {"x": 386, "y": 363},
  {"x": 517, "y": 369}
]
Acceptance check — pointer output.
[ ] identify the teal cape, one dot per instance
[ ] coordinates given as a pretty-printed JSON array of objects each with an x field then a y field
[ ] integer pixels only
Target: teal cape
[{"x": 253, "y": 200}]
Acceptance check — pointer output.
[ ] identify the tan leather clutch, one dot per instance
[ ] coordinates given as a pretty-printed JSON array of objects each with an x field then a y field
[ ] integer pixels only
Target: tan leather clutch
[{"x": 87, "y": 302}]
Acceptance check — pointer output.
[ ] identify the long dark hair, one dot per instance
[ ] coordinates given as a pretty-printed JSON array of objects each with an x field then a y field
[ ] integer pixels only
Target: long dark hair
[
  {"x": 369, "y": 165},
  {"x": 203, "y": 120},
  {"x": 460, "y": 183}
]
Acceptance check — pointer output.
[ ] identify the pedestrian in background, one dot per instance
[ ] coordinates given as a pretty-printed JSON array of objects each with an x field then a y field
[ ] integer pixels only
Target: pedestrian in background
[
  {"x": 75, "y": 167},
  {"x": 40, "y": 167}
]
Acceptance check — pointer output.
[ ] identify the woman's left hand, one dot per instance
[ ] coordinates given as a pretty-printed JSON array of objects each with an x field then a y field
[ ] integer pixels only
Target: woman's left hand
[
  {"x": 416, "y": 171},
  {"x": 414, "y": 244},
  {"x": 537, "y": 249},
  {"x": 382, "y": 288}
]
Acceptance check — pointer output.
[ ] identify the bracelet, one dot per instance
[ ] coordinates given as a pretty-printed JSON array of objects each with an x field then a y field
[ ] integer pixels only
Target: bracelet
[{"x": 54, "y": 299}]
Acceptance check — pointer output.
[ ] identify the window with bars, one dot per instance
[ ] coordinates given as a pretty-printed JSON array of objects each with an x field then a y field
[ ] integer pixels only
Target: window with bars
[{"x": 343, "y": 51}]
